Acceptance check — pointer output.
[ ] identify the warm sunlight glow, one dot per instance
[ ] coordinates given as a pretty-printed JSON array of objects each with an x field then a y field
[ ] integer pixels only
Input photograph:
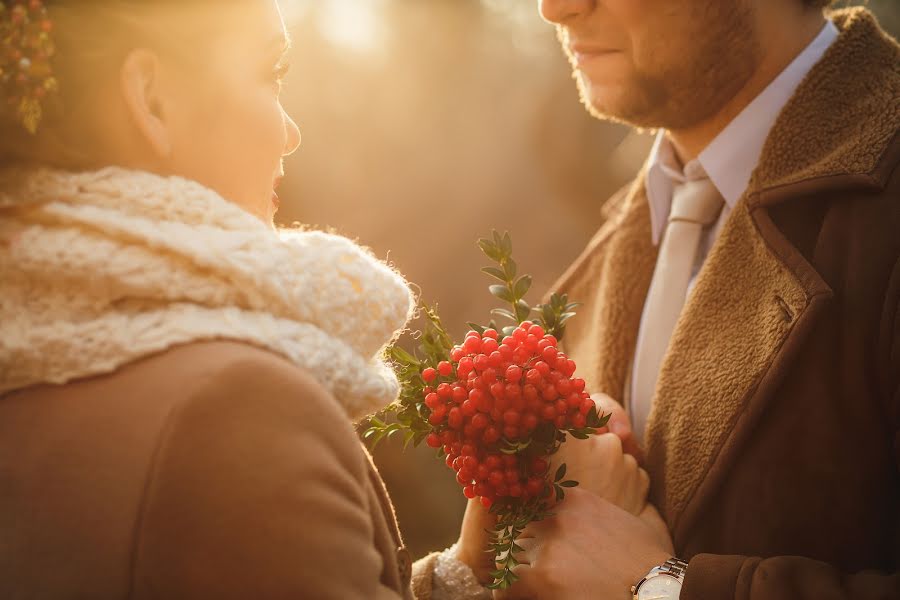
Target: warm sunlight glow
[{"x": 352, "y": 24}]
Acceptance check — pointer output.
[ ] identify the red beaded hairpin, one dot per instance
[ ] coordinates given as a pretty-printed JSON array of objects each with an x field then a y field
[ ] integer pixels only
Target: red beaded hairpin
[{"x": 26, "y": 76}]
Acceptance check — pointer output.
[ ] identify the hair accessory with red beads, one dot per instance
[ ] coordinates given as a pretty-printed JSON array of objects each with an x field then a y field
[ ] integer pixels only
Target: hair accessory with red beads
[{"x": 26, "y": 76}]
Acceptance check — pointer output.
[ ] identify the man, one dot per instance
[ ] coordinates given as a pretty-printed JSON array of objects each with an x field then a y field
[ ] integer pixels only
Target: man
[{"x": 742, "y": 300}]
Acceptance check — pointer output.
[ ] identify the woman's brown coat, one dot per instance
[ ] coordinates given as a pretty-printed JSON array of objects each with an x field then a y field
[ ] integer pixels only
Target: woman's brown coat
[{"x": 212, "y": 470}]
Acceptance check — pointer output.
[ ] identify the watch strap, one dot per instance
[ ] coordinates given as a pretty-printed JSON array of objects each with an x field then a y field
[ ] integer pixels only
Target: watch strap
[{"x": 674, "y": 567}]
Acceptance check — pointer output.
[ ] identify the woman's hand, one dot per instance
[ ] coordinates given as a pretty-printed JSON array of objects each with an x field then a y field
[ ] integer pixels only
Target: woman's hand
[{"x": 472, "y": 548}]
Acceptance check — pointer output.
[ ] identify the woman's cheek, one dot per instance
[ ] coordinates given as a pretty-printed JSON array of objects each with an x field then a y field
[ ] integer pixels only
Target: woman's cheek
[{"x": 262, "y": 140}]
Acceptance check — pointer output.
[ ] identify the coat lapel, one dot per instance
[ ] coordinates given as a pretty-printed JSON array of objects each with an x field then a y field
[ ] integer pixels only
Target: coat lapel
[
  {"x": 611, "y": 279},
  {"x": 757, "y": 297},
  {"x": 736, "y": 335}
]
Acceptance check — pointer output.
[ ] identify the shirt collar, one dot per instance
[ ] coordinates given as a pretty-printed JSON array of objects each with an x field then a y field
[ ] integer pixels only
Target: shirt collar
[{"x": 731, "y": 157}]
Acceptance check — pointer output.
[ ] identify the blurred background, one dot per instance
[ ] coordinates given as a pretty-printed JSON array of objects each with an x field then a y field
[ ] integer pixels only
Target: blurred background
[{"x": 426, "y": 123}]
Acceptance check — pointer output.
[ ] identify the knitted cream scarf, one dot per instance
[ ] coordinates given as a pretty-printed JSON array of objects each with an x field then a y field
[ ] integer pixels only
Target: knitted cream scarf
[{"x": 98, "y": 269}]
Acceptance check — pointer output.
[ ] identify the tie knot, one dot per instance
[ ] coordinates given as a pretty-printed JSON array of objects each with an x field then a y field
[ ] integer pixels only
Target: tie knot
[{"x": 696, "y": 201}]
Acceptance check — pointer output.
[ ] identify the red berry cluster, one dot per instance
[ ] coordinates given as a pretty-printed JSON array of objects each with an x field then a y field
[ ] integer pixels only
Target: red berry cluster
[{"x": 493, "y": 395}]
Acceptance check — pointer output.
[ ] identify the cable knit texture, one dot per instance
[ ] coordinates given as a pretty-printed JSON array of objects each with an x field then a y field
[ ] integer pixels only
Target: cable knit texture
[
  {"x": 455, "y": 580},
  {"x": 102, "y": 268}
]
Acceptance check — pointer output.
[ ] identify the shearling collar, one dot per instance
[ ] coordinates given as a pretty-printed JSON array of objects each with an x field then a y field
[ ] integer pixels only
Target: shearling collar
[{"x": 844, "y": 117}]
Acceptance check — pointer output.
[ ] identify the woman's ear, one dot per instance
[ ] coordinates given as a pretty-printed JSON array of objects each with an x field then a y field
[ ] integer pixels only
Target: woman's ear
[{"x": 143, "y": 91}]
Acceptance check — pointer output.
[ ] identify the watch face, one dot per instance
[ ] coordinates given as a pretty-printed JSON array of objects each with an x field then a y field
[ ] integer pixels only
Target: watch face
[{"x": 660, "y": 587}]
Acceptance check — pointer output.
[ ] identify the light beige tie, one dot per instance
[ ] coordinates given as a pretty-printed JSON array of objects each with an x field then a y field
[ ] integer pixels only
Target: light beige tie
[{"x": 696, "y": 204}]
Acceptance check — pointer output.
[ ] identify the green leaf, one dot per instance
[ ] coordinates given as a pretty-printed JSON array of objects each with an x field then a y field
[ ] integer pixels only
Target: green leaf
[
  {"x": 569, "y": 484},
  {"x": 560, "y": 472},
  {"x": 502, "y": 292},
  {"x": 547, "y": 312},
  {"x": 476, "y": 327},
  {"x": 506, "y": 244},
  {"x": 495, "y": 273},
  {"x": 378, "y": 437},
  {"x": 403, "y": 357},
  {"x": 522, "y": 310},
  {"x": 510, "y": 268},
  {"x": 408, "y": 437},
  {"x": 490, "y": 250},
  {"x": 502, "y": 312},
  {"x": 522, "y": 286}
]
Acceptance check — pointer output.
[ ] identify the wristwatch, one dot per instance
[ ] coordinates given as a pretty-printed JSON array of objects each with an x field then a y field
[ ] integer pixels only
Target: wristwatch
[{"x": 662, "y": 582}]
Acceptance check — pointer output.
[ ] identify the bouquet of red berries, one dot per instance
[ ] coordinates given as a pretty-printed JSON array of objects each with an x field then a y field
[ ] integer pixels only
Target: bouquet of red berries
[{"x": 497, "y": 406}]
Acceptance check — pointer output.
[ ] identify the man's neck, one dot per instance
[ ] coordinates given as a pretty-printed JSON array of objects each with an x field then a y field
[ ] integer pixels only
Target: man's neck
[{"x": 784, "y": 42}]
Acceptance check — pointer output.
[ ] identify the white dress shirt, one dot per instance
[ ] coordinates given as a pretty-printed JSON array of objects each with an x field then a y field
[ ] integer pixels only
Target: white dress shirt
[{"x": 732, "y": 156}]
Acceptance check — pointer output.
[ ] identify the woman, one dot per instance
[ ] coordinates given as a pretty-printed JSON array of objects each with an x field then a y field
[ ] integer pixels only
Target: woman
[{"x": 177, "y": 379}]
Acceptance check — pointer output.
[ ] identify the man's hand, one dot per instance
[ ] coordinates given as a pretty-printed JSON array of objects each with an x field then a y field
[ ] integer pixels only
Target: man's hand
[
  {"x": 590, "y": 549},
  {"x": 600, "y": 466},
  {"x": 619, "y": 424}
]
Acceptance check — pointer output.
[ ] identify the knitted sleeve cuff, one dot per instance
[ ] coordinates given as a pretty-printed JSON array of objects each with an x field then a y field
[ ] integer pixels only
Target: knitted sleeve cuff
[{"x": 454, "y": 580}]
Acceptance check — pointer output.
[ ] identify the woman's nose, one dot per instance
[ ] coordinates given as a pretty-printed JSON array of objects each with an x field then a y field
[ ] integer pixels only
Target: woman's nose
[
  {"x": 293, "y": 135},
  {"x": 561, "y": 11}
]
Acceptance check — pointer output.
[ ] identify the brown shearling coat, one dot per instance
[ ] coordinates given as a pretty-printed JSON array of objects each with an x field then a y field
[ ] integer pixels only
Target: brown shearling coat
[
  {"x": 774, "y": 441},
  {"x": 211, "y": 470}
]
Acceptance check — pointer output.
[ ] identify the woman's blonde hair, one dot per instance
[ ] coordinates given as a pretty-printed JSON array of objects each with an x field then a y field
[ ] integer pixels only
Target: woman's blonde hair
[{"x": 92, "y": 38}]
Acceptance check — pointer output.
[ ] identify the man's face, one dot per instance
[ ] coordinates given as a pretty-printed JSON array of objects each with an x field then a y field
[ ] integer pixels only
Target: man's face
[{"x": 657, "y": 63}]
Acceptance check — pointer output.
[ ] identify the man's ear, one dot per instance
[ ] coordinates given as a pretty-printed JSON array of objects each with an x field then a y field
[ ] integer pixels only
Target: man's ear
[{"x": 143, "y": 91}]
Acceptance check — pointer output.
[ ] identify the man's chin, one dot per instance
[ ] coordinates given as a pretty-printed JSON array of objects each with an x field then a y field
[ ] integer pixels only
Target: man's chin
[
  {"x": 610, "y": 105},
  {"x": 623, "y": 103}
]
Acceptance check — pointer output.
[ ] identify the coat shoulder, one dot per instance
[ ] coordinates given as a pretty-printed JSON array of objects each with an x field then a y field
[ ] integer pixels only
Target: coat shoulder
[
  {"x": 610, "y": 212},
  {"x": 229, "y": 374},
  {"x": 224, "y": 382}
]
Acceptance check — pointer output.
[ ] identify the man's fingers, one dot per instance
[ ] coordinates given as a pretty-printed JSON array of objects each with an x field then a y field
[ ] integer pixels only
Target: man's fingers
[
  {"x": 618, "y": 421},
  {"x": 619, "y": 424},
  {"x": 631, "y": 446}
]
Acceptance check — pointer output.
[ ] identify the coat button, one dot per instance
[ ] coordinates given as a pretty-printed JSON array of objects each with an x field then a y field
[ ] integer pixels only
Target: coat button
[{"x": 404, "y": 564}]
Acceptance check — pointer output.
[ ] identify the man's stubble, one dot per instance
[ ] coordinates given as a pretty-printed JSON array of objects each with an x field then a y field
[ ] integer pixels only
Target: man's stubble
[{"x": 689, "y": 75}]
